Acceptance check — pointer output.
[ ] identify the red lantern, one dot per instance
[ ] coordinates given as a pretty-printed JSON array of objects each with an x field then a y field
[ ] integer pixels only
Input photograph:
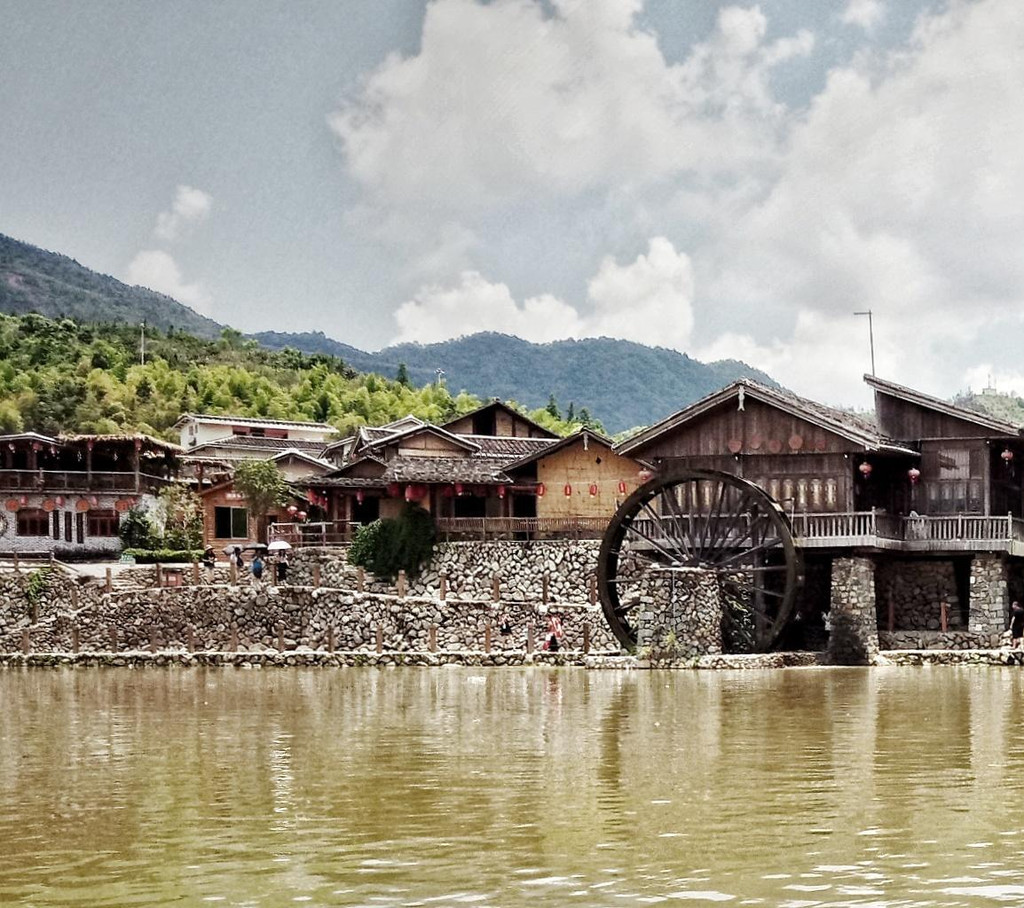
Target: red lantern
[
  {"x": 459, "y": 488},
  {"x": 865, "y": 469},
  {"x": 541, "y": 489},
  {"x": 914, "y": 474},
  {"x": 593, "y": 489},
  {"x": 360, "y": 496},
  {"x": 94, "y": 501},
  {"x": 48, "y": 504},
  {"x": 394, "y": 489},
  {"x": 1007, "y": 456},
  {"x": 501, "y": 491},
  {"x": 568, "y": 490},
  {"x": 622, "y": 486},
  {"x": 410, "y": 493},
  {"x": 24, "y": 500}
]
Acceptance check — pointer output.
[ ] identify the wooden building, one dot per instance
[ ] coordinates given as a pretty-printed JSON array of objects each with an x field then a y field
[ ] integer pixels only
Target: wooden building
[
  {"x": 66, "y": 494},
  {"x": 927, "y": 494}
]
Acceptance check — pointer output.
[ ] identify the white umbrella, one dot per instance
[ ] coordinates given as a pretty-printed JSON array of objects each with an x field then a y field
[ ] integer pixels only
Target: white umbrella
[{"x": 279, "y": 545}]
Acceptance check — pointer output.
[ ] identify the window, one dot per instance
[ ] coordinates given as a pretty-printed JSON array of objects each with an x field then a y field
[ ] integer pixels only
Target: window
[
  {"x": 231, "y": 523},
  {"x": 102, "y": 523},
  {"x": 33, "y": 522},
  {"x": 56, "y": 525}
]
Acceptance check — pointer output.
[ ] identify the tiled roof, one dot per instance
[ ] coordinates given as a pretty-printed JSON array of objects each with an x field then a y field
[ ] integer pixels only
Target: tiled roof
[
  {"x": 444, "y": 469},
  {"x": 255, "y": 443},
  {"x": 509, "y": 448},
  {"x": 252, "y": 421}
]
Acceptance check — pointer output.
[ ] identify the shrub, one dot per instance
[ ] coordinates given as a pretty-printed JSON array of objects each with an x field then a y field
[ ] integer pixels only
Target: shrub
[
  {"x": 162, "y": 556},
  {"x": 386, "y": 547}
]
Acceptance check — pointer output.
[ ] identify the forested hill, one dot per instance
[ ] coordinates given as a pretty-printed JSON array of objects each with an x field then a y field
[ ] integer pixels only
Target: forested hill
[
  {"x": 34, "y": 280},
  {"x": 621, "y": 383}
]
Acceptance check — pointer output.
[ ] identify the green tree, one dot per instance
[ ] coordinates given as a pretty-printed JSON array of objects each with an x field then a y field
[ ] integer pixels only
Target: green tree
[
  {"x": 181, "y": 511},
  {"x": 402, "y": 377},
  {"x": 552, "y": 407},
  {"x": 263, "y": 486}
]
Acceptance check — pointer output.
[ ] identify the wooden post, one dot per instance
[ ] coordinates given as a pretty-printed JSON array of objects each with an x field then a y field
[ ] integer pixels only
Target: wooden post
[
  {"x": 593, "y": 590},
  {"x": 110, "y": 580},
  {"x": 380, "y": 638},
  {"x": 152, "y": 640},
  {"x": 195, "y": 573},
  {"x": 544, "y": 584},
  {"x": 26, "y": 641},
  {"x": 432, "y": 638},
  {"x": 944, "y": 616},
  {"x": 35, "y": 613},
  {"x": 113, "y": 638},
  {"x": 892, "y": 613},
  {"x": 190, "y": 635},
  {"x": 316, "y": 574},
  {"x": 233, "y": 573},
  {"x": 233, "y": 639},
  {"x": 496, "y": 587},
  {"x": 330, "y": 639},
  {"x": 529, "y": 638},
  {"x": 14, "y": 555},
  {"x": 487, "y": 637},
  {"x": 442, "y": 587},
  {"x": 74, "y": 597},
  {"x": 360, "y": 579},
  {"x": 401, "y": 584},
  {"x": 280, "y": 638},
  {"x": 74, "y": 638},
  {"x": 586, "y": 637},
  {"x": 159, "y": 575}
]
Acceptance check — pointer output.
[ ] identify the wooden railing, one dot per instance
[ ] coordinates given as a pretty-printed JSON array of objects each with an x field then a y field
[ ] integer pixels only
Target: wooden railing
[
  {"x": 76, "y": 481},
  {"x": 314, "y": 533}
]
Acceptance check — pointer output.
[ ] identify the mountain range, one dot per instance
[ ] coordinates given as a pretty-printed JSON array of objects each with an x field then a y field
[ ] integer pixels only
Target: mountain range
[{"x": 621, "y": 383}]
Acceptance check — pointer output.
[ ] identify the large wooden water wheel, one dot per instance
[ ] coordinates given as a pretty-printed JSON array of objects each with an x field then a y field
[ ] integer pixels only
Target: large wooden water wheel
[{"x": 704, "y": 519}]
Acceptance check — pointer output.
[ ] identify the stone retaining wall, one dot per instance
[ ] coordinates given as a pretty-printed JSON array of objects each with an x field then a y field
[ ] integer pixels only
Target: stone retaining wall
[
  {"x": 257, "y": 618},
  {"x": 951, "y": 640},
  {"x": 990, "y": 596},
  {"x": 686, "y": 620},
  {"x": 470, "y": 569},
  {"x": 853, "y": 639}
]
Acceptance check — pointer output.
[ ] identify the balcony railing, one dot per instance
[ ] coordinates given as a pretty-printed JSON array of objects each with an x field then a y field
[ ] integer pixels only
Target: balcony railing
[
  {"x": 77, "y": 481},
  {"x": 870, "y": 529}
]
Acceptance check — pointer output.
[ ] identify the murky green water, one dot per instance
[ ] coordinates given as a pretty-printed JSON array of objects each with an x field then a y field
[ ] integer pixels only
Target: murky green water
[{"x": 533, "y": 787}]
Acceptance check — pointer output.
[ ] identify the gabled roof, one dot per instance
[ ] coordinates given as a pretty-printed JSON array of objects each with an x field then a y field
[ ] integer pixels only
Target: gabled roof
[
  {"x": 508, "y": 448},
  {"x": 29, "y": 436},
  {"x": 584, "y": 434},
  {"x": 928, "y": 402},
  {"x": 427, "y": 429},
  {"x": 839, "y": 422},
  {"x": 257, "y": 421},
  {"x": 499, "y": 405},
  {"x": 257, "y": 443},
  {"x": 303, "y": 455},
  {"x": 147, "y": 441}
]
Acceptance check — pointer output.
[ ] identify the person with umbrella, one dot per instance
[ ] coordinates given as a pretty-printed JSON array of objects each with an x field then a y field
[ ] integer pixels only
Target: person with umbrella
[{"x": 280, "y": 548}]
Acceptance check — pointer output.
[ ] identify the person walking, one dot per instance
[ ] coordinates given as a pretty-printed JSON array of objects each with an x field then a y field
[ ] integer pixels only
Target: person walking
[
  {"x": 257, "y": 567},
  {"x": 1016, "y": 624},
  {"x": 209, "y": 562}
]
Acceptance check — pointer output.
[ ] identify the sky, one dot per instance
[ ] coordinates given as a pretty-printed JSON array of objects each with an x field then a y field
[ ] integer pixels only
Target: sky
[{"x": 730, "y": 181}]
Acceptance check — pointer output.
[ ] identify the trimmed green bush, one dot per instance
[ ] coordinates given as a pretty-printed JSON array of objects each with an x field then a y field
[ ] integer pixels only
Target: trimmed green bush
[
  {"x": 163, "y": 556},
  {"x": 386, "y": 547}
]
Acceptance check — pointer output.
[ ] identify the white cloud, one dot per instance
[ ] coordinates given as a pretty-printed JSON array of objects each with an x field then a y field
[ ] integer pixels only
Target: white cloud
[
  {"x": 649, "y": 300},
  {"x": 155, "y": 269},
  {"x": 189, "y": 207},
  {"x": 864, "y": 13},
  {"x": 504, "y": 102}
]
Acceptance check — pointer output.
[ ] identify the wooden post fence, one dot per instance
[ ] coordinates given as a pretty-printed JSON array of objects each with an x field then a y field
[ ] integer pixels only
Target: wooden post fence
[
  {"x": 487, "y": 637},
  {"x": 545, "y": 583},
  {"x": 74, "y": 638},
  {"x": 442, "y": 587},
  {"x": 380, "y": 638},
  {"x": 316, "y": 574},
  {"x": 360, "y": 579},
  {"x": 402, "y": 584},
  {"x": 432, "y": 638},
  {"x": 26, "y": 641},
  {"x": 586, "y": 637},
  {"x": 944, "y": 616},
  {"x": 529, "y": 638},
  {"x": 110, "y": 580},
  {"x": 496, "y": 587}
]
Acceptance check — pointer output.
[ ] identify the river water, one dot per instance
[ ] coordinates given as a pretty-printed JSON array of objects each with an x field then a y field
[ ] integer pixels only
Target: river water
[{"x": 540, "y": 786}]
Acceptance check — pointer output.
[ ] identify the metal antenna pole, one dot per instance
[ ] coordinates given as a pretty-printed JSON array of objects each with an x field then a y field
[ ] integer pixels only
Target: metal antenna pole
[{"x": 871, "y": 336}]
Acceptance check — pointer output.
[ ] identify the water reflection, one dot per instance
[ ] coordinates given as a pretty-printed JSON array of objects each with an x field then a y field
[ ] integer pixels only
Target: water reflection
[{"x": 539, "y": 786}]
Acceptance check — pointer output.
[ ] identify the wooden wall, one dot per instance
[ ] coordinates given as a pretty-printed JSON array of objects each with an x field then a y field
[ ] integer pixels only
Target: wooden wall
[
  {"x": 901, "y": 419},
  {"x": 580, "y": 469}
]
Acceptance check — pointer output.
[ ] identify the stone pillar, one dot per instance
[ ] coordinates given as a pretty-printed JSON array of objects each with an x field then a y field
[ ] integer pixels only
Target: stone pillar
[
  {"x": 853, "y": 639},
  {"x": 990, "y": 596},
  {"x": 685, "y": 604}
]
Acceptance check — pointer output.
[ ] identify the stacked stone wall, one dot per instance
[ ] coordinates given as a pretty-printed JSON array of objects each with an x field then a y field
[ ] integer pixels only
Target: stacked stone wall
[
  {"x": 680, "y": 615},
  {"x": 916, "y": 591},
  {"x": 990, "y": 596},
  {"x": 470, "y": 568},
  {"x": 255, "y": 618},
  {"x": 853, "y": 639}
]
